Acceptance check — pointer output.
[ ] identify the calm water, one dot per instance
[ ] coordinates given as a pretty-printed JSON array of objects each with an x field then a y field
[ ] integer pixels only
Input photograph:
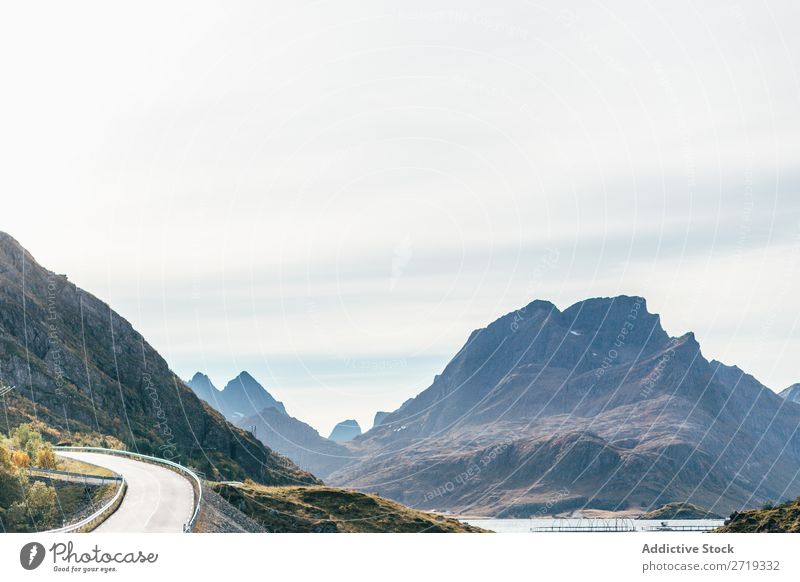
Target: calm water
[{"x": 574, "y": 524}]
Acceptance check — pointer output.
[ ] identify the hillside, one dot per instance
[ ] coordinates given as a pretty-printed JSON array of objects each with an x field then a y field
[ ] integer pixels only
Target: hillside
[
  {"x": 330, "y": 510},
  {"x": 783, "y": 518},
  {"x": 297, "y": 440},
  {"x": 79, "y": 367},
  {"x": 595, "y": 406}
]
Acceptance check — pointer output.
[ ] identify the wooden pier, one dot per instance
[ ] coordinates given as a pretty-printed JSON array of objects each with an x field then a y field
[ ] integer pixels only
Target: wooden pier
[
  {"x": 619, "y": 525},
  {"x": 588, "y": 525}
]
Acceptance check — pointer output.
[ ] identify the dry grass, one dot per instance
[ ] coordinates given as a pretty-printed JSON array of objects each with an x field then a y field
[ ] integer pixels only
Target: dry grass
[
  {"x": 74, "y": 466},
  {"x": 328, "y": 509}
]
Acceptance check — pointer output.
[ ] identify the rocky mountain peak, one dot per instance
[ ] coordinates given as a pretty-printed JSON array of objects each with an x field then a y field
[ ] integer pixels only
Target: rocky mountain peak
[
  {"x": 8, "y": 242},
  {"x": 245, "y": 378},
  {"x": 345, "y": 431},
  {"x": 244, "y": 396},
  {"x": 244, "y": 382},
  {"x": 379, "y": 418},
  {"x": 205, "y": 389},
  {"x": 792, "y": 393},
  {"x": 608, "y": 317},
  {"x": 11, "y": 255},
  {"x": 200, "y": 377}
]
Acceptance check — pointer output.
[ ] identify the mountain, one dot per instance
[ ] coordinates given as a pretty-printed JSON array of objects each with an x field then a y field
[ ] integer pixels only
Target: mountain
[
  {"x": 271, "y": 424},
  {"x": 595, "y": 406},
  {"x": 345, "y": 431},
  {"x": 243, "y": 396},
  {"x": 205, "y": 389},
  {"x": 297, "y": 440},
  {"x": 79, "y": 367},
  {"x": 379, "y": 418},
  {"x": 792, "y": 393}
]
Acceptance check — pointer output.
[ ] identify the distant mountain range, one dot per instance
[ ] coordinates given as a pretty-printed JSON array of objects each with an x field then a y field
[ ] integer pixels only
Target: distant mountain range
[
  {"x": 83, "y": 371},
  {"x": 595, "y": 406},
  {"x": 242, "y": 397},
  {"x": 249, "y": 405},
  {"x": 542, "y": 411}
]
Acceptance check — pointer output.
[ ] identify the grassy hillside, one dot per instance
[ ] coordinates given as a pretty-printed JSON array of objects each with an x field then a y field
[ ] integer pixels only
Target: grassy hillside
[
  {"x": 327, "y": 509},
  {"x": 784, "y": 518}
]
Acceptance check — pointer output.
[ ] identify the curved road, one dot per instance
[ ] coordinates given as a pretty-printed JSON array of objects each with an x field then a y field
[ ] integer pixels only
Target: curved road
[{"x": 157, "y": 501}]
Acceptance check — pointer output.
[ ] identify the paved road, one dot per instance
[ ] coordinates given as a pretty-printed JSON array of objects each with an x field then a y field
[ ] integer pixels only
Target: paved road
[{"x": 158, "y": 500}]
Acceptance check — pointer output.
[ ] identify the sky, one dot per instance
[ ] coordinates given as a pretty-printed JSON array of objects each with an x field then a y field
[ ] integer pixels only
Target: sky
[{"x": 333, "y": 195}]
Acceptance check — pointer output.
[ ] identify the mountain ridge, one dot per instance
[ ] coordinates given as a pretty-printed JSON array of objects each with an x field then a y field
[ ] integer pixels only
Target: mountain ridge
[
  {"x": 792, "y": 393},
  {"x": 241, "y": 397},
  {"x": 80, "y": 367},
  {"x": 297, "y": 440},
  {"x": 597, "y": 400},
  {"x": 271, "y": 425}
]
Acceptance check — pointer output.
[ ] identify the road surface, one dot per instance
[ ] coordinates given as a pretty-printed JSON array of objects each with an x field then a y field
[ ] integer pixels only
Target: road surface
[{"x": 158, "y": 500}]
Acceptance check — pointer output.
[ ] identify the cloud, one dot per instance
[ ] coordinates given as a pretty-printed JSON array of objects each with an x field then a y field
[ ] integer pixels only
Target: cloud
[{"x": 372, "y": 181}]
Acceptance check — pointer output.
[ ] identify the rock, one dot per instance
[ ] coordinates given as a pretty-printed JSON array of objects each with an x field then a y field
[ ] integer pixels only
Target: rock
[
  {"x": 205, "y": 390},
  {"x": 379, "y": 418},
  {"x": 792, "y": 393},
  {"x": 345, "y": 431}
]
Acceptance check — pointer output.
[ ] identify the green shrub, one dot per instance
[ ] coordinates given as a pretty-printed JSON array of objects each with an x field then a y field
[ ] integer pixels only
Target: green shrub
[{"x": 25, "y": 506}]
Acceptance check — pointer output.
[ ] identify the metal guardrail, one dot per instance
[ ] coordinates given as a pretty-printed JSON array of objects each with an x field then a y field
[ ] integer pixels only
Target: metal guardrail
[
  {"x": 70, "y": 476},
  {"x": 74, "y": 527},
  {"x": 197, "y": 485}
]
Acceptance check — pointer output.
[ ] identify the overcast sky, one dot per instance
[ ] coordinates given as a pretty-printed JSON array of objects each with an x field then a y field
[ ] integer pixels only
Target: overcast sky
[{"x": 332, "y": 195}]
